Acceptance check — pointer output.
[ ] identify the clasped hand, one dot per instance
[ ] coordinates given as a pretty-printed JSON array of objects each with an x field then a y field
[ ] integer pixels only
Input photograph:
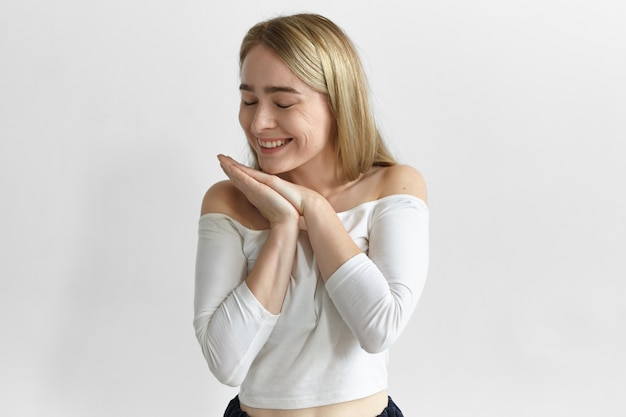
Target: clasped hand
[{"x": 279, "y": 201}]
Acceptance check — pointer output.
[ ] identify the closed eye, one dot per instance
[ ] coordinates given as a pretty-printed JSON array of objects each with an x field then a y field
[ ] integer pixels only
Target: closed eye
[
  {"x": 249, "y": 103},
  {"x": 283, "y": 106}
]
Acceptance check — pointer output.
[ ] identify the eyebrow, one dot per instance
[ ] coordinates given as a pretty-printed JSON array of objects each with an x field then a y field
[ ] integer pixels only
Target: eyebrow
[{"x": 271, "y": 89}]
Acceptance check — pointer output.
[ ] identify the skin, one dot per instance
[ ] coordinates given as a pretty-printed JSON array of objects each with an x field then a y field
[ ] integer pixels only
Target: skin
[{"x": 301, "y": 186}]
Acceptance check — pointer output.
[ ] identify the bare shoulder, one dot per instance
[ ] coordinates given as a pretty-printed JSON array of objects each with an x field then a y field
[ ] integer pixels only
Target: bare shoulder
[
  {"x": 224, "y": 197},
  {"x": 401, "y": 179}
]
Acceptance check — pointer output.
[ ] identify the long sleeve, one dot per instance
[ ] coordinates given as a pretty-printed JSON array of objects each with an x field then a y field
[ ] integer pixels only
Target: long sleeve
[
  {"x": 376, "y": 293},
  {"x": 230, "y": 324}
]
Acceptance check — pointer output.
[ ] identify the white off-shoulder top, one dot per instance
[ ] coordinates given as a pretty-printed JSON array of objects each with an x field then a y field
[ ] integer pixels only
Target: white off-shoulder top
[{"x": 330, "y": 342}]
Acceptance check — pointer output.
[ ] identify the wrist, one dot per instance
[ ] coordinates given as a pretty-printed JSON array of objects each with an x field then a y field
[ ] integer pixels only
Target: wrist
[
  {"x": 315, "y": 205},
  {"x": 287, "y": 226}
]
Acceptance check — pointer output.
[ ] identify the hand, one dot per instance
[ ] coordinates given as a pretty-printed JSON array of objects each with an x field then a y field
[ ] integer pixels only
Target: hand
[
  {"x": 271, "y": 204},
  {"x": 297, "y": 195}
]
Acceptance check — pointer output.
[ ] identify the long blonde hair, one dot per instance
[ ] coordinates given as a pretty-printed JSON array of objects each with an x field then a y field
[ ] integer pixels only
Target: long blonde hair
[{"x": 319, "y": 53}]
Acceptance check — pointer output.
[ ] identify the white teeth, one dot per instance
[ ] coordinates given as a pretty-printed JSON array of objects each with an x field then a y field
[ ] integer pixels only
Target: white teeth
[{"x": 272, "y": 144}]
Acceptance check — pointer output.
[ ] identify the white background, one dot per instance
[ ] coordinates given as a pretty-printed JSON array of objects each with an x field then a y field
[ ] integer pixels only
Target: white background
[{"x": 112, "y": 112}]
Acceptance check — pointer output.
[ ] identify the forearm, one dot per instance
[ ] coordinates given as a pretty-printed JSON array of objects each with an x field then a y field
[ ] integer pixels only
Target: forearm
[
  {"x": 331, "y": 243},
  {"x": 375, "y": 310},
  {"x": 269, "y": 278},
  {"x": 376, "y": 292},
  {"x": 231, "y": 337},
  {"x": 231, "y": 323}
]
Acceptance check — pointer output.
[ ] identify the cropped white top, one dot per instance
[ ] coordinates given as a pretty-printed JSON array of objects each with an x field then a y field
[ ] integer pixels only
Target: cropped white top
[{"x": 330, "y": 342}]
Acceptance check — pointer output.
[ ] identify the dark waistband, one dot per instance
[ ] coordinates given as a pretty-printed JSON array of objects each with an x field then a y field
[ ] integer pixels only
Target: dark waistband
[{"x": 234, "y": 409}]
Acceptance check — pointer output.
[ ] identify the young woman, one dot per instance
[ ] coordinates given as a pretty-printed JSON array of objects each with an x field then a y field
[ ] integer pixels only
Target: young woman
[{"x": 311, "y": 262}]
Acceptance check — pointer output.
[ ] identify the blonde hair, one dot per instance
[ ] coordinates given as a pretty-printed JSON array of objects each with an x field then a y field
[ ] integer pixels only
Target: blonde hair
[{"x": 319, "y": 53}]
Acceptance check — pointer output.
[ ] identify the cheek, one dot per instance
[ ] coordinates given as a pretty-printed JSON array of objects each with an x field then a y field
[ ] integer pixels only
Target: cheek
[
  {"x": 245, "y": 118},
  {"x": 325, "y": 127},
  {"x": 242, "y": 119}
]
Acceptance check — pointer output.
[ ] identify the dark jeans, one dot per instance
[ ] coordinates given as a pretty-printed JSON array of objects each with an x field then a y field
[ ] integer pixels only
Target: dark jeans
[{"x": 234, "y": 410}]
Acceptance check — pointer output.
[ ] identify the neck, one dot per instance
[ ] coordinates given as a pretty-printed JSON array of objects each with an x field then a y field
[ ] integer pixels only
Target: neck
[{"x": 327, "y": 182}]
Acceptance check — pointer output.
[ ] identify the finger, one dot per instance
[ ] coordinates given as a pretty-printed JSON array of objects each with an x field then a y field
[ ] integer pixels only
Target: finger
[
  {"x": 231, "y": 168},
  {"x": 228, "y": 161},
  {"x": 255, "y": 173},
  {"x": 289, "y": 191},
  {"x": 225, "y": 163},
  {"x": 249, "y": 186},
  {"x": 242, "y": 180}
]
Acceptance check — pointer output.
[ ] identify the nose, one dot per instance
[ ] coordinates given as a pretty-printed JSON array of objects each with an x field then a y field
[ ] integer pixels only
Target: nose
[{"x": 263, "y": 118}]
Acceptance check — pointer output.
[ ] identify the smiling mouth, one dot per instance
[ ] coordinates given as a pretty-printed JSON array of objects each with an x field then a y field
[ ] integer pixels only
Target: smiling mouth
[{"x": 272, "y": 143}]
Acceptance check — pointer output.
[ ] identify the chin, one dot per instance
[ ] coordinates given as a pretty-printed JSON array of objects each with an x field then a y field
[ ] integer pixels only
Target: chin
[{"x": 271, "y": 171}]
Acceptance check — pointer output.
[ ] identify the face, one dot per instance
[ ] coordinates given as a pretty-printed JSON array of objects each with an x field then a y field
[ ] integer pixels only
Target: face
[{"x": 287, "y": 123}]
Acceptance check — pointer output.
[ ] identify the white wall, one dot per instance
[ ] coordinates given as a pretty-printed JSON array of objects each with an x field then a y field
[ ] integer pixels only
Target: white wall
[{"x": 112, "y": 112}]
